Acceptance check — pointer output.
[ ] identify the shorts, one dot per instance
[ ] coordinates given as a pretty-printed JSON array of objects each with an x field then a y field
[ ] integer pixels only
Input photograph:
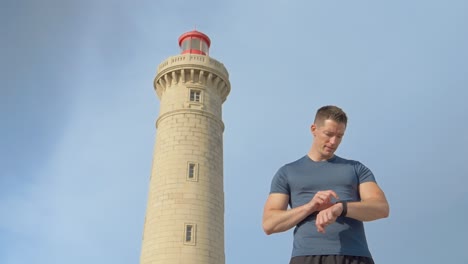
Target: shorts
[{"x": 331, "y": 259}]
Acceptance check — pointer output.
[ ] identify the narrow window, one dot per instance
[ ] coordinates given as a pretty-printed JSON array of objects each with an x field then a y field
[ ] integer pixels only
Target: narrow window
[
  {"x": 190, "y": 232},
  {"x": 195, "y": 95},
  {"x": 192, "y": 171}
]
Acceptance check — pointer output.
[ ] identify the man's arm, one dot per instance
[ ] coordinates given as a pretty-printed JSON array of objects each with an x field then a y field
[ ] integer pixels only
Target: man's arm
[
  {"x": 277, "y": 217},
  {"x": 373, "y": 206}
]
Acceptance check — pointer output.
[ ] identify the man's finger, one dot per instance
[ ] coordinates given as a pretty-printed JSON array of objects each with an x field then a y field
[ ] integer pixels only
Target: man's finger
[{"x": 332, "y": 193}]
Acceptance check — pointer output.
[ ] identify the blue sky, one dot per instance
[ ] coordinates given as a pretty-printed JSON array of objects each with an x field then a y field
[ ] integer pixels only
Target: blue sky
[{"x": 78, "y": 115}]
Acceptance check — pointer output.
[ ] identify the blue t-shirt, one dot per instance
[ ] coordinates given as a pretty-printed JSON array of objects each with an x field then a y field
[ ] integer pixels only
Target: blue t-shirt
[{"x": 301, "y": 180}]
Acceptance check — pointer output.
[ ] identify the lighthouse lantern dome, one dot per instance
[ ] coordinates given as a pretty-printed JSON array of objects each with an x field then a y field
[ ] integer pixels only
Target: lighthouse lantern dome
[{"x": 194, "y": 42}]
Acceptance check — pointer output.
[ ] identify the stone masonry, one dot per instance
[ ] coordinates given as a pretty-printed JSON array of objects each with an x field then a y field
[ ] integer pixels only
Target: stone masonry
[{"x": 184, "y": 221}]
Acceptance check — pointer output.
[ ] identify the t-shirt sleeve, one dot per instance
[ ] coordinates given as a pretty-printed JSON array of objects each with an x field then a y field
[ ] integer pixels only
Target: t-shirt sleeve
[
  {"x": 279, "y": 184},
  {"x": 364, "y": 174}
]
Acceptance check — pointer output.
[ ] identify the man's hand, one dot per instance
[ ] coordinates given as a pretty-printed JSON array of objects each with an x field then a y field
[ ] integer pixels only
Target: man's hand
[
  {"x": 276, "y": 217},
  {"x": 328, "y": 216},
  {"x": 322, "y": 200}
]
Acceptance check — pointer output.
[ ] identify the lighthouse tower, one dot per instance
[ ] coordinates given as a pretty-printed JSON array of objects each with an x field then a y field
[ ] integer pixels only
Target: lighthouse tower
[{"x": 184, "y": 221}]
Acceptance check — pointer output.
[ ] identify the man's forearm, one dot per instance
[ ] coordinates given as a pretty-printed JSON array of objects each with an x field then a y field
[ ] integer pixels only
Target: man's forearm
[
  {"x": 276, "y": 221},
  {"x": 368, "y": 210}
]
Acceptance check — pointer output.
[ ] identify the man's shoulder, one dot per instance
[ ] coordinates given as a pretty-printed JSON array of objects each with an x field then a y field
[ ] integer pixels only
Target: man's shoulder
[
  {"x": 364, "y": 173},
  {"x": 297, "y": 162},
  {"x": 340, "y": 160}
]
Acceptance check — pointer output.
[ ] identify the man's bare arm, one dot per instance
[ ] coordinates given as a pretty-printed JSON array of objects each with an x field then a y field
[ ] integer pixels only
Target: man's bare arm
[
  {"x": 277, "y": 217},
  {"x": 373, "y": 206}
]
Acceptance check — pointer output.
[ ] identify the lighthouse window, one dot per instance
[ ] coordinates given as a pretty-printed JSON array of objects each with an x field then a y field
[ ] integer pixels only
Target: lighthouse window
[
  {"x": 195, "y": 95},
  {"x": 186, "y": 44},
  {"x": 195, "y": 44},
  {"x": 204, "y": 47},
  {"x": 190, "y": 231},
  {"x": 192, "y": 173}
]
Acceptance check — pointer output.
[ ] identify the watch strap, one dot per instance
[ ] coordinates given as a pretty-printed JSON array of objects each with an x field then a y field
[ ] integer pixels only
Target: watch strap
[{"x": 345, "y": 208}]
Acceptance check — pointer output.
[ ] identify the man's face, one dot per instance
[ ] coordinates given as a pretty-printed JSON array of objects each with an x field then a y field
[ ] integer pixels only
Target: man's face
[{"x": 327, "y": 137}]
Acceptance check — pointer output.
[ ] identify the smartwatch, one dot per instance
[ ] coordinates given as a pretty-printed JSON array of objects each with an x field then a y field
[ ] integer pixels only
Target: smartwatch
[{"x": 345, "y": 208}]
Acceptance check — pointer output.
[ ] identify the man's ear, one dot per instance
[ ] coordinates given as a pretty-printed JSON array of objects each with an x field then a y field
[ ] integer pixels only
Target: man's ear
[{"x": 313, "y": 129}]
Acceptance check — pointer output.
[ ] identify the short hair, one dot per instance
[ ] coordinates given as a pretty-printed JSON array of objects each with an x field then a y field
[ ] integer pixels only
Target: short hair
[{"x": 330, "y": 112}]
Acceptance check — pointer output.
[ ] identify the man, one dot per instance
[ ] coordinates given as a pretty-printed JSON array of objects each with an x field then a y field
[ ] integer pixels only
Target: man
[{"x": 329, "y": 198}]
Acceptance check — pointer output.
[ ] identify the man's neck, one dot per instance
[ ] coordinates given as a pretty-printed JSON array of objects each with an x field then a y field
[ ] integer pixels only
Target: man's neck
[{"x": 315, "y": 156}]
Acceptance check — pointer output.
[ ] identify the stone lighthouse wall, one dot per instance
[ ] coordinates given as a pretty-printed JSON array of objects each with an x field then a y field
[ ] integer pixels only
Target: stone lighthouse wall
[{"x": 185, "y": 214}]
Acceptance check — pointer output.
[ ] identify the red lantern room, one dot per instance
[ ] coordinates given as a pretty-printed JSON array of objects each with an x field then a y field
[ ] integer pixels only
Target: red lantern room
[{"x": 194, "y": 42}]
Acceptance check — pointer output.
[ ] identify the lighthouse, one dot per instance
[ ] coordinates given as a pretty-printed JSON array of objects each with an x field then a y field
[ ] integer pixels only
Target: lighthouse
[{"x": 184, "y": 222}]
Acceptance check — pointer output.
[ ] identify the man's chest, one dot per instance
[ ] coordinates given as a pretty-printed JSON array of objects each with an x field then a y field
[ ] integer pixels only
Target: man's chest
[{"x": 306, "y": 182}]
